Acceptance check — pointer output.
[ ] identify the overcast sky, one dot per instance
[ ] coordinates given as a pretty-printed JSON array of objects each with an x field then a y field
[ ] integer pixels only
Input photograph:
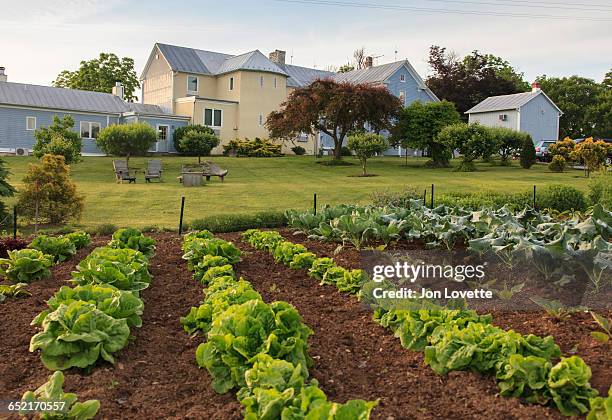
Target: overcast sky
[{"x": 39, "y": 38}]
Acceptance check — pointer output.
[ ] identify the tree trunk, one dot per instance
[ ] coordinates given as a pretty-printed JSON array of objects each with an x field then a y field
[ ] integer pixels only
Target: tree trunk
[
  {"x": 337, "y": 148},
  {"x": 127, "y": 160},
  {"x": 199, "y": 161}
]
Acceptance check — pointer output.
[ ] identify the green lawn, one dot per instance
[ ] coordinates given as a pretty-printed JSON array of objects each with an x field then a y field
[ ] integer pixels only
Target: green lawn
[{"x": 272, "y": 184}]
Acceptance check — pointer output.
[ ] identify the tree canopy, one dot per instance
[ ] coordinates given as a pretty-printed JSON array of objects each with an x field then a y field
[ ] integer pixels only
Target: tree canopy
[
  {"x": 365, "y": 146},
  {"x": 100, "y": 75},
  {"x": 126, "y": 139},
  {"x": 58, "y": 139},
  {"x": 335, "y": 109}
]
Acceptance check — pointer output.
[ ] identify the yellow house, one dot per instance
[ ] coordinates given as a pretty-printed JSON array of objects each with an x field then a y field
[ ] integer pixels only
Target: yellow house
[{"x": 233, "y": 94}]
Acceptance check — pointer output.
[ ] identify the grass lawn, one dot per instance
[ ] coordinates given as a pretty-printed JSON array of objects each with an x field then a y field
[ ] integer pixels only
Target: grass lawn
[{"x": 256, "y": 184}]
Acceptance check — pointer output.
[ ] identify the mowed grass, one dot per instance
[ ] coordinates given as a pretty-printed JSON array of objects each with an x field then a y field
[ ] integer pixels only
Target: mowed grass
[{"x": 258, "y": 184}]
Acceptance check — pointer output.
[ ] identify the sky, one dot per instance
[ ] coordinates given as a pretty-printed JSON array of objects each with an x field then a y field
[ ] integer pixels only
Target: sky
[{"x": 40, "y": 38}]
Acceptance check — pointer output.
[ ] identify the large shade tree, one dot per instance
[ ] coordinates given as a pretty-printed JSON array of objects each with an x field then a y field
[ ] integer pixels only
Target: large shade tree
[
  {"x": 335, "y": 109},
  {"x": 100, "y": 75}
]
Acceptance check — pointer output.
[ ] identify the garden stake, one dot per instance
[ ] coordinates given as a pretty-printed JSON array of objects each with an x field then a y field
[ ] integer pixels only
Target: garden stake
[
  {"x": 315, "y": 204},
  {"x": 181, "y": 218},
  {"x": 425, "y": 197},
  {"x": 534, "y": 197},
  {"x": 432, "y": 195},
  {"x": 14, "y": 222}
]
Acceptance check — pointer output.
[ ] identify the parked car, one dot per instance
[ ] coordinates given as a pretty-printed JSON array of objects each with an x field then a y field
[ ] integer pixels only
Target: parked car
[{"x": 541, "y": 149}]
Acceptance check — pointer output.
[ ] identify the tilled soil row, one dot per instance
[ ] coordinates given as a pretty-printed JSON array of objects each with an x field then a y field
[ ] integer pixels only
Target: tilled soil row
[
  {"x": 356, "y": 358},
  {"x": 154, "y": 377}
]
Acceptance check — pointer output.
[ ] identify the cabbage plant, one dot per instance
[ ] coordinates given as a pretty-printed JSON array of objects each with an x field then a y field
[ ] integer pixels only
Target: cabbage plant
[
  {"x": 61, "y": 248},
  {"x": 26, "y": 265}
]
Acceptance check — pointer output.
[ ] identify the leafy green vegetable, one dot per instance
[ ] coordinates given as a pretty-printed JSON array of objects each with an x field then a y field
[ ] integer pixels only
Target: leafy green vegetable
[
  {"x": 215, "y": 272},
  {"x": 125, "y": 269},
  {"x": 208, "y": 261},
  {"x": 349, "y": 281},
  {"x": 200, "y": 234},
  {"x": 285, "y": 251},
  {"x": 80, "y": 239},
  {"x": 197, "y": 249},
  {"x": 569, "y": 386},
  {"x": 320, "y": 266},
  {"x": 601, "y": 408},
  {"x": 13, "y": 290},
  {"x": 605, "y": 324},
  {"x": 245, "y": 330},
  {"x": 262, "y": 240},
  {"x": 117, "y": 303},
  {"x": 52, "y": 391},
  {"x": 26, "y": 265},
  {"x": 302, "y": 260},
  {"x": 60, "y": 248},
  {"x": 133, "y": 239},
  {"x": 76, "y": 335},
  {"x": 525, "y": 377}
]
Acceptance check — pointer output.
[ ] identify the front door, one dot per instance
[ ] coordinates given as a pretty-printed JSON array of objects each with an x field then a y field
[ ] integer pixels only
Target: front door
[{"x": 162, "y": 138}]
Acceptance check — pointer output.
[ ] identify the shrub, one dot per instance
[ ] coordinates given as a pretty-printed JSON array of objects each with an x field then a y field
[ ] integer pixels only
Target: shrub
[
  {"x": 562, "y": 198},
  {"x": 508, "y": 142},
  {"x": 104, "y": 229},
  {"x": 9, "y": 244},
  {"x": 48, "y": 187},
  {"x": 26, "y": 265},
  {"x": 126, "y": 139},
  {"x": 180, "y": 132},
  {"x": 528, "y": 153},
  {"x": 58, "y": 139},
  {"x": 253, "y": 148},
  {"x": 198, "y": 143},
  {"x": 345, "y": 151},
  {"x": 396, "y": 199},
  {"x": 59, "y": 248},
  {"x": 473, "y": 141},
  {"x": 557, "y": 164},
  {"x": 298, "y": 150},
  {"x": 367, "y": 145},
  {"x": 563, "y": 148},
  {"x": 592, "y": 153},
  {"x": 600, "y": 190},
  {"x": 6, "y": 190},
  {"x": 237, "y": 222}
]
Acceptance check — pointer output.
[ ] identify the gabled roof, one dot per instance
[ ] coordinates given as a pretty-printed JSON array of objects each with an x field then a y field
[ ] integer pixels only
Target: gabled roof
[
  {"x": 303, "y": 76},
  {"x": 507, "y": 102},
  {"x": 191, "y": 60}
]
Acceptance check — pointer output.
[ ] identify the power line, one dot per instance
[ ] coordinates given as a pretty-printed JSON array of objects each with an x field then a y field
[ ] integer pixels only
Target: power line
[
  {"x": 447, "y": 11},
  {"x": 528, "y": 4}
]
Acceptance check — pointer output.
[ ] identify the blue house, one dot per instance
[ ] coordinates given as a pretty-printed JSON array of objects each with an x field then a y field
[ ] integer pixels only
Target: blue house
[{"x": 25, "y": 108}]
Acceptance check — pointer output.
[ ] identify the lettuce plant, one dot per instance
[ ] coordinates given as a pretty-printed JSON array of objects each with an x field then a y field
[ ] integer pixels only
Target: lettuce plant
[
  {"x": 125, "y": 269},
  {"x": 61, "y": 248},
  {"x": 214, "y": 272},
  {"x": 200, "y": 234},
  {"x": 349, "y": 281},
  {"x": 77, "y": 335},
  {"x": 52, "y": 392},
  {"x": 525, "y": 377},
  {"x": 302, "y": 260},
  {"x": 208, "y": 261},
  {"x": 320, "y": 266},
  {"x": 197, "y": 249},
  {"x": 13, "y": 290},
  {"x": 284, "y": 251},
  {"x": 26, "y": 265},
  {"x": 601, "y": 407},
  {"x": 262, "y": 240},
  {"x": 245, "y": 330},
  {"x": 119, "y": 304},
  {"x": 80, "y": 239},
  {"x": 569, "y": 386},
  {"x": 133, "y": 239}
]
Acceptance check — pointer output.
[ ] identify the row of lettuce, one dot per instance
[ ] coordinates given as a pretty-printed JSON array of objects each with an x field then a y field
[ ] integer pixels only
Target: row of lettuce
[
  {"x": 461, "y": 339},
  {"x": 577, "y": 244},
  {"x": 258, "y": 349},
  {"x": 93, "y": 319}
]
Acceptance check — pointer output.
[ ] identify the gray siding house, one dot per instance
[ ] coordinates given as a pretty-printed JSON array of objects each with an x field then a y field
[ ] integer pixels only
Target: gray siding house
[
  {"x": 530, "y": 112},
  {"x": 25, "y": 108}
]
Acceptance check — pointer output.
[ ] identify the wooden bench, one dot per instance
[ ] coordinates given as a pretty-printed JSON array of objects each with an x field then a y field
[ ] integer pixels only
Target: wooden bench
[{"x": 212, "y": 169}]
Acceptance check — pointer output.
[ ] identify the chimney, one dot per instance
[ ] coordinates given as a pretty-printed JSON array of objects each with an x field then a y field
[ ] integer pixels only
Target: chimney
[
  {"x": 118, "y": 89},
  {"x": 535, "y": 87},
  {"x": 3, "y": 77},
  {"x": 369, "y": 62},
  {"x": 277, "y": 56}
]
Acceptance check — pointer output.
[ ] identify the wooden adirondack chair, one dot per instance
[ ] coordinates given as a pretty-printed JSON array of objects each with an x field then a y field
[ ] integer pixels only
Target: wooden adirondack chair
[
  {"x": 212, "y": 169},
  {"x": 122, "y": 172},
  {"x": 154, "y": 170}
]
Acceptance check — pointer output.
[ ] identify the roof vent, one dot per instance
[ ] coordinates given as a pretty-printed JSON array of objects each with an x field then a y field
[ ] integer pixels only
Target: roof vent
[
  {"x": 3, "y": 77},
  {"x": 277, "y": 56},
  {"x": 535, "y": 87}
]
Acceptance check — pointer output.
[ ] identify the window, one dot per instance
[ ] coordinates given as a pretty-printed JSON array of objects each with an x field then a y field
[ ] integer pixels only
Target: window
[
  {"x": 192, "y": 84},
  {"x": 503, "y": 117},
  {"x": 402, "y": 78},
  {"x": 275, "y": 83},
  {"x": 231, "y": 83},
  {"x": 30, "y": 123},
  {"x": 260, "y": 120},
  {"x": 213, "y": 117},
  {"x": 261, "y": 81},
  {"x": 402, "y": 97},
  {"x": 162, "y": 132},
  {"x": 89, "y": 130}
]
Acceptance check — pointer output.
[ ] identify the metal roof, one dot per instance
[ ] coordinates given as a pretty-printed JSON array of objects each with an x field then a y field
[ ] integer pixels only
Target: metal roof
[
  {"x": 375, "y": 74},
  {"x": 149, "y": 109},
  {"x": 303, "y": 76},
  {"x": 191, "y": 60},
  {"x": 506, "y": 102}
]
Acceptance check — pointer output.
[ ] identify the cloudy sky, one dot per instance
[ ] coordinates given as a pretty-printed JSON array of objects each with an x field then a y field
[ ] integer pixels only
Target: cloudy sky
[{"x": 39, "y": 38}]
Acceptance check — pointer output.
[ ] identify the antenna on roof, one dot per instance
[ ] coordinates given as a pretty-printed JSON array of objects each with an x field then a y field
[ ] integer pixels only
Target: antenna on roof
[
  {"x": 395, "y": 59},
  {"x": 376, "y": 57},
  {"x": 291, "y": 61}
]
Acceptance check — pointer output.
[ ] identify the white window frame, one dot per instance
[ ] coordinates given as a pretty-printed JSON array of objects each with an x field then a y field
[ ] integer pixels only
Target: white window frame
[
  {"x": 403, "y": 78},
  {"x": 212, "y": 120},
  {"x": 402, "y": 93},
  {"x": 167, "y": 131},
  {"x": 90, "y": 125},
  {"x": 197, "y": 84},
  {"x": 261, "y": 82},
  {"x": 231, "y": 83},
  {"x": 28, "y": 119}
]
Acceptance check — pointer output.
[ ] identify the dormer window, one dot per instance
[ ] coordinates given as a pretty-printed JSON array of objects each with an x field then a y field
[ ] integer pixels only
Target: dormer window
[
  {"x": 192, "y": 84},
  {"x": 402, "y": 78}
]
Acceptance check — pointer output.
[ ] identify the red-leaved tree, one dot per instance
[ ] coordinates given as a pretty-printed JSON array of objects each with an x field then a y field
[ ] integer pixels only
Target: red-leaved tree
[{"x": 334, "y": 109}]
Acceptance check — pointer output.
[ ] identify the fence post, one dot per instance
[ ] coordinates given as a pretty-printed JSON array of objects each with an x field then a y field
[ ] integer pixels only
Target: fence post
[
  {"x": 432, "y": 196},
  {"x": 181, "y": 217},
  {"x": 315, "y": 203},
  {"x": 14, "y": 222},
  {"x": 534, "y": 197}
]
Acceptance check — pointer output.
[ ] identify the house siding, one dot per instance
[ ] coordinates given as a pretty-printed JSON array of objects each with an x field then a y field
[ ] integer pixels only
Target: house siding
[
  {"x": 491, "y": 119},
  {"x": 539, "y": 118}
]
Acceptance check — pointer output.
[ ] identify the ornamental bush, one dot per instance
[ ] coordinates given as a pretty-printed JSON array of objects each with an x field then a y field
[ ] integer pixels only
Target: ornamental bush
[
  {"x": 557, "y": 164},
  {"x": 198, "y": 143},
  {"x": 58, "y": 139},
  {"x": 367, "y": 145},
  {"x": 528, "y": 153},
  {"x": 473, "y": 141},
  {"x": 252, "y": 148},
  {"x": 562, "y": 198},
  {"x": 180, "y": 132},
  {"x": 126, "y": 139}
]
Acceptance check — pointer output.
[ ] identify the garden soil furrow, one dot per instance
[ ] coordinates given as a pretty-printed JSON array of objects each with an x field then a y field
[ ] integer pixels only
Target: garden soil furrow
[
  {"x": 155, "y": 376},
  {"x": 356, "y": 358}
]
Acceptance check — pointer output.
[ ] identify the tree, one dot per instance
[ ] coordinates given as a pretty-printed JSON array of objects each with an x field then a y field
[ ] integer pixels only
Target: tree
[
  {"x": 563, "y": 148},
  {"x": 198, "y": 143},
  {"x": 528, "y": 153},
  {"x": 58, "y": 139},
  {"x": 180, "y": 132},
  {"x": 359, "y": 55},
  {"x": 49, "y": 194},
  {"x": 473, "y": 141},
  {"x": 592, "y": 153},
  {"x": 577, "y": 98},
  {"x": 100, "y": 75},
  {"x": 334, "y": 109},
  {"x": 126, "y": 139},
  {"x": 601, "y": 111},
  {"x": 471, "y": 80},
  {"x": 508, "y": 142},
  {"x": 345, "y": 68},
  {"x": 6, "y": 190},
  {"x": 366, "y": 145},
  {"x": 418, "y": 125}
]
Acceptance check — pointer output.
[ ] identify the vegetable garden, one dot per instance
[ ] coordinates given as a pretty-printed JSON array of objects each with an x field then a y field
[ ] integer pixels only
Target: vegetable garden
[{"x": 278, "y": 324}]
